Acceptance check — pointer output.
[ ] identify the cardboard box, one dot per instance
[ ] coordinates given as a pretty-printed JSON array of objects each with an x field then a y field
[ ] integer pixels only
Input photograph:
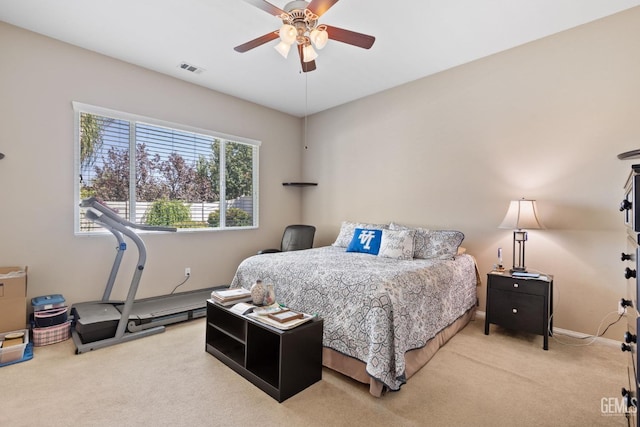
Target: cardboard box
[{"x": 13, "y": 298}]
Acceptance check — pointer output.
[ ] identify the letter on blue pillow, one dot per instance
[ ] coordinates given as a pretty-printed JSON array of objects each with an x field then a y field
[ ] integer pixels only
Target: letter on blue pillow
[{"x": 365, "y": 240}]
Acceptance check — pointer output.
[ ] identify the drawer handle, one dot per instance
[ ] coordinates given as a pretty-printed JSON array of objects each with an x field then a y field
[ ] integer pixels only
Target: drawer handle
[
  {"x": 629, "y": 273},
  {"x": 514, "y": 310},
  {"x": 515, "y": 285}
]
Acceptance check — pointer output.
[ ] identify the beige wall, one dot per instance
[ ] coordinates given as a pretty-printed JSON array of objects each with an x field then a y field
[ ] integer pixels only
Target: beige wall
[
  {"x": 39, "y": 78},
  {"x": 542, "y": 121}
]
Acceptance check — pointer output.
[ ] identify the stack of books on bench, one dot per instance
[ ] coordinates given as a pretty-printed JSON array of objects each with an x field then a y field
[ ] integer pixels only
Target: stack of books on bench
[
  {"x": 229, "y": 297},
  {"x": 279, "y": 317}
]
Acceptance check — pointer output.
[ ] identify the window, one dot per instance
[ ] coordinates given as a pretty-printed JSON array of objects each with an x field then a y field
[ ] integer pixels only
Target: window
[{"x": 159, "y": 173}]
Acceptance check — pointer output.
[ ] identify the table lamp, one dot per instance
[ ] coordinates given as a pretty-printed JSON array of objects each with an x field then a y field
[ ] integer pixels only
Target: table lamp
[{"x": 522, "y": 214}]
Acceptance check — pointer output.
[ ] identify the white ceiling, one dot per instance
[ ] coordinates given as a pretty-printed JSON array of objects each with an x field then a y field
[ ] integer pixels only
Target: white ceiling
[{"x": 420, "y": 38}]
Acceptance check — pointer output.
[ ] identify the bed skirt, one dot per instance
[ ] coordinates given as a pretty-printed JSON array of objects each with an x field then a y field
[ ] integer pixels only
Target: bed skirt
[{"x": 414, "y": 359}]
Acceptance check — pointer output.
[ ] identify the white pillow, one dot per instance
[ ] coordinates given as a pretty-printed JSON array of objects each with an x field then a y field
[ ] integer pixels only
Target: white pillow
[
  {"x": 433, "y": 244},
  {"x": 397, "y": 244},
  {"x": 348, "y": 228}
]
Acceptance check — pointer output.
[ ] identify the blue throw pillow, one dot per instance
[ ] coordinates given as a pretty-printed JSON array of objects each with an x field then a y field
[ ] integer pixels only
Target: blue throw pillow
[{"x": 365, "y": 240}]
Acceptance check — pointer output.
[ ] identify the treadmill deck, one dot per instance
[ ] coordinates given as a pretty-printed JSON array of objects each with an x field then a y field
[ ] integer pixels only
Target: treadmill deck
[{"x": 99, "y": 320}]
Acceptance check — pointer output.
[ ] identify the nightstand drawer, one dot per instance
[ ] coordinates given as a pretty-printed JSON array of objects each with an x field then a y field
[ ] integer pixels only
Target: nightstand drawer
[
  {"x": 519, "y": 311},
  {"x": 527, "y": 286}
]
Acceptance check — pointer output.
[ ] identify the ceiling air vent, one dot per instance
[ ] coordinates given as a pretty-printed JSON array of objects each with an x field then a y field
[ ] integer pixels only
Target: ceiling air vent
[{"x": 190, "y": 68}]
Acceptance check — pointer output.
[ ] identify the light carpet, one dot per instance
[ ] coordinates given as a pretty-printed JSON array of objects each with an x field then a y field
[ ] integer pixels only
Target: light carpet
[{"x": 504, "y": 379}]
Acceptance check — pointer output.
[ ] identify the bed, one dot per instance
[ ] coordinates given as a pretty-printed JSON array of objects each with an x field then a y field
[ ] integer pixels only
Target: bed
[{"x": 384, "y": 316}]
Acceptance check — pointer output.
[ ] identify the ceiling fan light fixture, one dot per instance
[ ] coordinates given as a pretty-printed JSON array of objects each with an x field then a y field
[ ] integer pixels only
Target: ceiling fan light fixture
[
  {"x": 308, "y": 54},
  {"x": 299, "y": 24},
  {"x": 288, "y": 34},
  {"x": 283, "y": 49},
  {"x": 319, "y": 37}
]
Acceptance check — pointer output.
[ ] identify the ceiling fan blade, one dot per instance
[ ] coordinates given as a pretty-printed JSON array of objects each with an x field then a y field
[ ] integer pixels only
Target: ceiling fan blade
[
  {"x": 306, "y": 66},
  {"x": 256, "y": 42},
  {"x": 267, "y": 7},
  {"x": 319, "y": 7},
  {"x": 350, "y": 37}
]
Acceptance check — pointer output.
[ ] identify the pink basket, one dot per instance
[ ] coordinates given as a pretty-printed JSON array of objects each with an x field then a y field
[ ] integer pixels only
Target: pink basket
[{"x": 52, "y": 334}]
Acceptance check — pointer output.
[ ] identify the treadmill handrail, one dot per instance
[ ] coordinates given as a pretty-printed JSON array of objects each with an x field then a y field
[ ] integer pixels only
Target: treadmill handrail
[
  {"x": 122, "y": 246},
  {"x": 94, "y": 203},
  {"x": 114, "y": 225}
]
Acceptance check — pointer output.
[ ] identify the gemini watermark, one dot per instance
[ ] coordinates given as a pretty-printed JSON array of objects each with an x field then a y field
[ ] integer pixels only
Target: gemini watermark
[{"x": 618, "y": 406}]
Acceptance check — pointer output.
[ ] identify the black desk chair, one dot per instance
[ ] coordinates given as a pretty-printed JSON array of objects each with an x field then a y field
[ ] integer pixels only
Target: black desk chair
[{"x": 295, "y": 238}]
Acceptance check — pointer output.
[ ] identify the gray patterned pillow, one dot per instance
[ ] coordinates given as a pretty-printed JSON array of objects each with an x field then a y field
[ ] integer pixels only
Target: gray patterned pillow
[
  {"x": 428, "y": 244},
  {"x": 397, "y": 244},
  {"x": 348, "y": 228}
]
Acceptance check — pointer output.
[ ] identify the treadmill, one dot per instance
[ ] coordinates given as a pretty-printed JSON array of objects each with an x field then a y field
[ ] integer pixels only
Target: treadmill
[{"x": 103, "y": 323}]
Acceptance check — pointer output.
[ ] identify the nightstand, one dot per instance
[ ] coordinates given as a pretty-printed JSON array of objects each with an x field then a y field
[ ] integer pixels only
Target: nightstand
[{"x": 520, "y": 303}]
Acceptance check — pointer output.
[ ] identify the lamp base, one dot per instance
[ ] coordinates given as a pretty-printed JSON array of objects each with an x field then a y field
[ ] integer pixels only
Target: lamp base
[{"x": 519, "y": 238}]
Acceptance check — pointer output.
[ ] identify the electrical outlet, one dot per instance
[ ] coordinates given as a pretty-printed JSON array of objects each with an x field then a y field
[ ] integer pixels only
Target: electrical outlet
[
  {"x": 621, "y": 309},
  {"x": 187, "y": 271}
]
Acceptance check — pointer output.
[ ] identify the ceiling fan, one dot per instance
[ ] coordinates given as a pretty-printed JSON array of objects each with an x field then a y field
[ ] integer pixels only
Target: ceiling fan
[{"x": 300, "y": 26}]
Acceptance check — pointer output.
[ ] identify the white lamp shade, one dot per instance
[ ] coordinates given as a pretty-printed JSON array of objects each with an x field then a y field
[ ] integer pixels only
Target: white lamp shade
[
  {"x": 308, "y": 54},
  {"x": 288, "y": 34},
  {"x": 319, "y": 38},
  {"x": 283, "y": 48},
  {"x": 521, "y": 214}
]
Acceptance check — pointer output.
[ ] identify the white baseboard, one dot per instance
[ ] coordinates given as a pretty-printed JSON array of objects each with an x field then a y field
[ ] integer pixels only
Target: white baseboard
[{"x": 573, "y": 334}]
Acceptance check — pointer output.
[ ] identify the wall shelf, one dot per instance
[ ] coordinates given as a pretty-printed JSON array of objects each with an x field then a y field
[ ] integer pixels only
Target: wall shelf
[{"x": 299, "y": 184}]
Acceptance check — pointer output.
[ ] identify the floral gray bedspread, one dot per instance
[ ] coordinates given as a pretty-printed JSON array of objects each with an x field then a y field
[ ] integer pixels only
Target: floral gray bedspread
[{"x": 374, "y": 309}]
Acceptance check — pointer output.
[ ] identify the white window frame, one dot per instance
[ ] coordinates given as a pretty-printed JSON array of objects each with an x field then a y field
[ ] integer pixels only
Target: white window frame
[{"x": 79, "y": 108}]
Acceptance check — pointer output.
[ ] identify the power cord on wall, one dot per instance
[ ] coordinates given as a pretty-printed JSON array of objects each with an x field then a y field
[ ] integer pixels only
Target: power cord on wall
[
  {"x": 592, "y": 338},
  {"x": 188, "y": 275}
]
